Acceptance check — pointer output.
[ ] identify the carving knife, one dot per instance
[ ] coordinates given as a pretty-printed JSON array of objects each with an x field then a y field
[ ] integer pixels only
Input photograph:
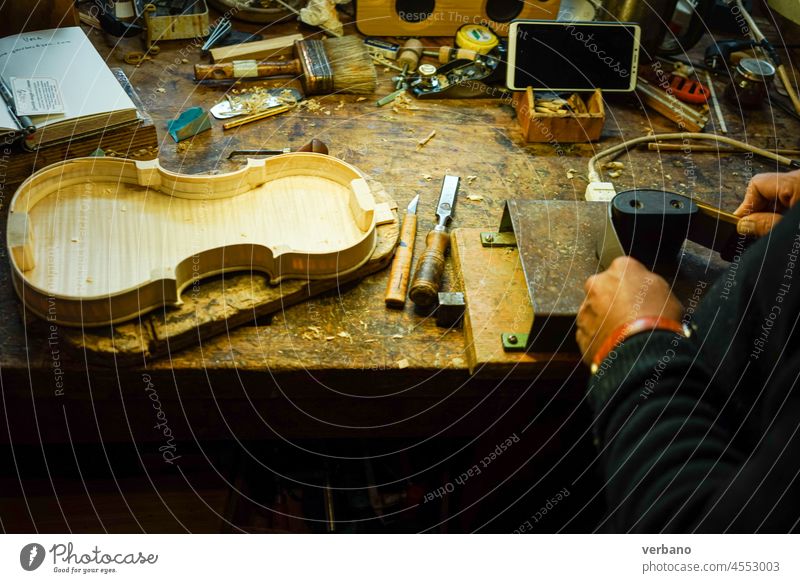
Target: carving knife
[
  {"x": 428, "y": 276},
  {"x": 401, "y": 266}
]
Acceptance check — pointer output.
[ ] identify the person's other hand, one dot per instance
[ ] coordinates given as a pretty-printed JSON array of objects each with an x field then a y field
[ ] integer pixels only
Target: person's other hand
[
  {"x": 627, "y": 290},
  {"x": 768, "y": 196}
]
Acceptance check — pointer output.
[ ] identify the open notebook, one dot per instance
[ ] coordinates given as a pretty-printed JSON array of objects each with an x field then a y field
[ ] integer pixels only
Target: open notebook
[{"x": 91, "y": 97}]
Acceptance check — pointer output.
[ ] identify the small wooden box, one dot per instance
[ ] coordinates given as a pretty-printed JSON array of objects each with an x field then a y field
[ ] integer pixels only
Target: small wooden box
[{"x": 553, "y": 127}]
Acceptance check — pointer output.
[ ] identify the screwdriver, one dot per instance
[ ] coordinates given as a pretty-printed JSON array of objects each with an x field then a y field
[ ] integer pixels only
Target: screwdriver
[
  {"x": 401, "y": 266},
  {"x": 316, "y": 146}
]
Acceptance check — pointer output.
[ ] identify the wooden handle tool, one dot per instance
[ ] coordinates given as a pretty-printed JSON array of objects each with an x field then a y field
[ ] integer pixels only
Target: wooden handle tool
[
  {"x": 428, "y": 276},
  {"x": 401, "y": 265},
  {"x": 247, "y": 68}
]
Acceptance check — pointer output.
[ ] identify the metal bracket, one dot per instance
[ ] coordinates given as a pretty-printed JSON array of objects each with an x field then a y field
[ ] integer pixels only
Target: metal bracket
[
  {"x": 502, "y": 239},
  {"x": 514, "y": 341}
]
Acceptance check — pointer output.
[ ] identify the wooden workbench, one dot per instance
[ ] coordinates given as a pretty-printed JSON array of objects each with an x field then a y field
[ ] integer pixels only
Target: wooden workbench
[{"x": 393, "y": 372}]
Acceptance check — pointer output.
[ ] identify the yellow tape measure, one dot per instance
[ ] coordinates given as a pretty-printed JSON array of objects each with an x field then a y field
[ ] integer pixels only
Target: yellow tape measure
[{"x": 476, "y": 37}]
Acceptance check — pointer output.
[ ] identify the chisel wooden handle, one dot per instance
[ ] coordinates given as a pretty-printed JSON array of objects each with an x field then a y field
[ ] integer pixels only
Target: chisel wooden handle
[
  {"x": 428, "y": 277},
  {"x": 401, "y": 265},
  {"x": 240, "y": 69}
]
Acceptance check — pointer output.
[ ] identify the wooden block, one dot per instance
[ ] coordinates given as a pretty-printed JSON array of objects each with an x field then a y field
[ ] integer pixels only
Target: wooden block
[
  {"x": 546, "y": 127},
  {"x": 40, "y": 15},
  {"x": 443, "y": 18},
  {"x": 497, "y": 301},
  {"x": 497, "y": 293},
  {"x": 138, "y": 141},
  {"x": 258, "y": 50}
]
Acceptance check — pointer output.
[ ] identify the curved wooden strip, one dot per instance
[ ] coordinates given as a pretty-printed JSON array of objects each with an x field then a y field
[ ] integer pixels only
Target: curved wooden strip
[{"x": 95, "y": 241}]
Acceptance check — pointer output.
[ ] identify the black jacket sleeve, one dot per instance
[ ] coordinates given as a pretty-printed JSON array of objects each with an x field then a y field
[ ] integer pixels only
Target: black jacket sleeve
[{"x": 674, "y": 460}]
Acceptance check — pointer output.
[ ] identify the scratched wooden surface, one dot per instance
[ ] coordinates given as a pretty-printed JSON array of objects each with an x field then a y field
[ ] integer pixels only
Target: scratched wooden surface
[{"x": 474, "y": 138}]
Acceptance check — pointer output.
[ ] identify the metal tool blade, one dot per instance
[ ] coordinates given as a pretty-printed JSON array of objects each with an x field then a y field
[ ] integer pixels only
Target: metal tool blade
[
  {"x": 273, "y": 98},
  {"x": 444, "y": 210},
  {"x": 412, "y": 206}
]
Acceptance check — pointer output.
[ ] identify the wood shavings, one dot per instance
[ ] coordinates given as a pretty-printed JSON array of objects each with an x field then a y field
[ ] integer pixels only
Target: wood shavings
[
  {"x": 471, "y": 179},
  {"x": 161, "y": 90},
  {"x": 311, "y": 105},
  {"x": 345, "y": 335},
  {"x": 421, "y": 144},
  {"x": 403, "y": 102},
  {"x": 474, "y": 197},
  {"x": 614, "y": 174},
  {"x": 612, "y": 165},
  {"x": 571, "y": 173},
  {"x": 427, "y": 177},
  {"x": 403, "y": 363},
  {"x": 397, "y": 336},
  {"x": 361, "y": 99},
  {"x": 322, "y": 13},
  {"x": 312, "y": 333}
]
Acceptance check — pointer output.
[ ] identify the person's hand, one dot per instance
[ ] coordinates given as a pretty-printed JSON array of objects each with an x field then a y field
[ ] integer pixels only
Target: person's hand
[
  {"x": 627, "y": 290},
  {"x": 768, "y": 196}
]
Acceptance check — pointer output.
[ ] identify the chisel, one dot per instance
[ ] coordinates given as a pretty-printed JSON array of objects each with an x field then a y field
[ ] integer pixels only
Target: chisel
[
  {"x": 428, "y": 276},
  {"x": 401, "y": 266}
]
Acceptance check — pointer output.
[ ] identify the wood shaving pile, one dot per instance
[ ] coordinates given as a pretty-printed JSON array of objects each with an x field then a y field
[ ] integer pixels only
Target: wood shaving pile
[
  {"x": 614, "y": 168},
  {"x": 253, "y": 100},
  {"x": 404, "y": 103}
]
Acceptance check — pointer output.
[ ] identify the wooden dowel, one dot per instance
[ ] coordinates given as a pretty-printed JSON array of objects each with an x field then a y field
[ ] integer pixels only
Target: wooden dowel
[
  {"x": 256, "y": 116},
  {"x": 659, "y": 147}
]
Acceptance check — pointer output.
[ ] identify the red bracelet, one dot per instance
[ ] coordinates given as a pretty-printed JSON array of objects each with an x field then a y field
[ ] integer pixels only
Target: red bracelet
[{"x": 625, "y": 331}]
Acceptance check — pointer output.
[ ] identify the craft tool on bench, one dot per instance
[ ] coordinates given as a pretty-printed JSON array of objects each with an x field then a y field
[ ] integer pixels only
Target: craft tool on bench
[
  {"x": 257, "y": 116},
  {"x": 446, "y": 54},
  {"x": 334, "y": 65},
  {"x": 401, "y": 265},
  {"x": 428, "y": 276},
  {"x": 218, "y": 32},
  {"x": 408, "y": 59},
  {"x": 316, "y": 146}
]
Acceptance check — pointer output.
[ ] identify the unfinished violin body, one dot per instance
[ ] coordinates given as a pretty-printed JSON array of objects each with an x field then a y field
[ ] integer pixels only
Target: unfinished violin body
[{"x": 98, "y": 240}]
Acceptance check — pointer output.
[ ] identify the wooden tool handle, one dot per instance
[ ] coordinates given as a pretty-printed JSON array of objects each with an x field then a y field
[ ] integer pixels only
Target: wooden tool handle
[
  {"x": 410, "y": 54},
  {"x": 428, "y": 277},
  {"x": 240, "y": 69},
  {"x": 401, "y": 266}
]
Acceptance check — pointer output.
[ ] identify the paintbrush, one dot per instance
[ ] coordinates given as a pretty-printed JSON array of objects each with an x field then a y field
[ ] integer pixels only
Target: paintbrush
[{"x": 333, "y": 65}]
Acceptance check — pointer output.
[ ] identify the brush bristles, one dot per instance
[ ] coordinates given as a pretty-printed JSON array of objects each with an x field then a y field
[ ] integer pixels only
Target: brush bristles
[{"x": 353, "y": 70}]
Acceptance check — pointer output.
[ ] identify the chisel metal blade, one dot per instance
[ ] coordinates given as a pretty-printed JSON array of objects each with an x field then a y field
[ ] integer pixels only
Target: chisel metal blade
[{"x": 444, "y": 209}]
